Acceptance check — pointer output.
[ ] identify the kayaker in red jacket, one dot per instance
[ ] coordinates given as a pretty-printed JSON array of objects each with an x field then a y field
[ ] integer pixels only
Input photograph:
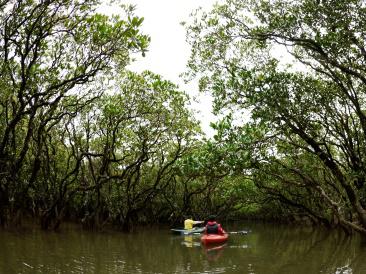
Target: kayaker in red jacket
[{"x": 213, "y": 227}]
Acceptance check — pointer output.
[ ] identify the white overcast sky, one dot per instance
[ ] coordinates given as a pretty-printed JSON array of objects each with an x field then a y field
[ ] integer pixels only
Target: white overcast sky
[{"x": 168, "y": 52}]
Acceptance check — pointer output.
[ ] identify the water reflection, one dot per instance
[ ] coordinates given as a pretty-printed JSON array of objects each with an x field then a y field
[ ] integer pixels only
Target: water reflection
[
  {"x": 267, "y": 249},
  {"x": 191, "y": 241},
  {"x": 214, "y": 252}
]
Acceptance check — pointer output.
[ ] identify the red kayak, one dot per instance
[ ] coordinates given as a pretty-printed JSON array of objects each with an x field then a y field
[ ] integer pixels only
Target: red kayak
[{"x": 214, "y": 238}]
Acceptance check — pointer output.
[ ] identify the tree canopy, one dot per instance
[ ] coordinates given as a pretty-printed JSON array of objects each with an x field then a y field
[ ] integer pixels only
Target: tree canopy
[
  {"x": 309, "y": 102},
  {"x": 82, "y": 138}
]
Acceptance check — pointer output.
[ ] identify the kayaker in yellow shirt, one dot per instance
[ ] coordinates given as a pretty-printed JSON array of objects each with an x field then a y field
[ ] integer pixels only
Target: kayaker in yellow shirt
[{"x": 189, "y": 223}]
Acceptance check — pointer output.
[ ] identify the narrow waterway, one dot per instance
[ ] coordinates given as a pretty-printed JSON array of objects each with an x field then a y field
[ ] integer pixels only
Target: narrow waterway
[{"x": 267, "y": 248}]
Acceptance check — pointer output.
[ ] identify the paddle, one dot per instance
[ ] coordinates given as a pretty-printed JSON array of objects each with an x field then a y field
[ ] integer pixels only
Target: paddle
[{"x": 243, "y": 232}]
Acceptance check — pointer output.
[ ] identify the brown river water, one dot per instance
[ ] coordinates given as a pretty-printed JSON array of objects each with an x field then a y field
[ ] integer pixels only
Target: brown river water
[{"x": 267, "y": 248}]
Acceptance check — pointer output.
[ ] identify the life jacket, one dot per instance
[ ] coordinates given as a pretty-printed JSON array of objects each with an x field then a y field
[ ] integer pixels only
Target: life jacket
[{"x": 212, "y": 228}]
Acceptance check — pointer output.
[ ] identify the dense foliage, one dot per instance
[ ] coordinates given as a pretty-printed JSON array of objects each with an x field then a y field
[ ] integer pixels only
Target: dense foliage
[
  {"x": 82, "y": 138},
  {"x": 73, "y": 143},
  {"x": 298, "y": 67}
]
